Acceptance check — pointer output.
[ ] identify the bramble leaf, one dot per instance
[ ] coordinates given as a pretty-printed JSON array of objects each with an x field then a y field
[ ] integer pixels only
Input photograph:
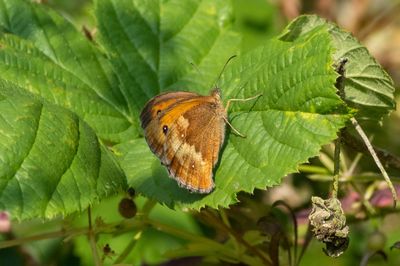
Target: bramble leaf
[
  {"x": 368, "y": 88},
  {"x": 54, "y": 83},
  {"x": 51, "y": 161}
]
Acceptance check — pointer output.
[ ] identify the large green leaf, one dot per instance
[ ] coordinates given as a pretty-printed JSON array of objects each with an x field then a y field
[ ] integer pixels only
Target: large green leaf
[
  {"x": 51, "y": 161},
  {"x": 146, "y": 47},
  {"x": 368, "y": 88},
  {"x": 298, "y": 112},
  {"x": 47, "y": 56}
]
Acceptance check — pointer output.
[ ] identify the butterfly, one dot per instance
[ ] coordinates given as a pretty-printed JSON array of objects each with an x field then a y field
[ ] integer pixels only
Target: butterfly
[{"x": 186, "y": 131}]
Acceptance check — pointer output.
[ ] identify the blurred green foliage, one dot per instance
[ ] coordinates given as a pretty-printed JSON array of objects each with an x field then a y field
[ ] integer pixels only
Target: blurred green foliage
[{"x": 258, "y": 20}]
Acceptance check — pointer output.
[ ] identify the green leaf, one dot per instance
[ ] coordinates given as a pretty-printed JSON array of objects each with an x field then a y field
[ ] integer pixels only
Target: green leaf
[
  {"x": 153, "y": 44},
  {"x": 368, "y": 88},
  {"x": 47, "y": 56},
  {"x": 51, "y": 161},
  {"x": 298, "y": 112}
]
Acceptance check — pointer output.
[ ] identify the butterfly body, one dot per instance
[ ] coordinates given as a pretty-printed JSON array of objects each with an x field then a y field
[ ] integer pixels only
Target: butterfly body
[{"x": 185, "y": 131}]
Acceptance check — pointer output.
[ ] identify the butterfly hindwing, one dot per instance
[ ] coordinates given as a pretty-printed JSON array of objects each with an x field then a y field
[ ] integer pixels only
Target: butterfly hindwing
[{"x": 192, "y": 146}]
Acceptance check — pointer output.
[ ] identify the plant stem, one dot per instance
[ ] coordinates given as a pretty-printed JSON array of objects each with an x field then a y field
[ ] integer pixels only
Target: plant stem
[
  {"x": 312, "y": 169},
  {"x": 353, "y": 166},
  {"x": 128, "y": 248},
  {"x": 225, "y": 220},
  {"x": 178, "y": 232},
  {"x": 92, "y": 240},
  {"x": 336, "y": 160},
  {"x": 307, "y": 240},
  {"x": 216, "y": 222},
  {"x": 212, "y": 245},
  {"x": 295, "y": 229},
  {"x": 371, "y": 150},
  {"x": 383, "y": 155},
  {"x": 61, "y": 233},
  {"x": 148, "y": 206},
  {"x": 224, "y": 217},
  {"x": 367, "y": 205}
]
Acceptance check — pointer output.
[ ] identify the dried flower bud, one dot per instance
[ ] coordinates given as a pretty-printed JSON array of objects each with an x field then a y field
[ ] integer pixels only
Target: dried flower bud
[
  {"x": 127, "y": 208},
  {"x": 107, "y": 249},
  {"x": 329, "y": 225},
  {"x": 107, "y": 252}
]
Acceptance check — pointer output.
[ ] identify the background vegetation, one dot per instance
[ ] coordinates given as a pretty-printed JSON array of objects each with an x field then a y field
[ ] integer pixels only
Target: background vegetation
[{"x": 158, "y": 234}]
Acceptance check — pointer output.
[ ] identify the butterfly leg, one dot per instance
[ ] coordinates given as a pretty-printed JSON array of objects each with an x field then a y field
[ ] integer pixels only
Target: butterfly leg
[
  {"x": 234, "y": 129},
  {"x": 241, "y": 100},
  {"x": 238, "y": 100}
]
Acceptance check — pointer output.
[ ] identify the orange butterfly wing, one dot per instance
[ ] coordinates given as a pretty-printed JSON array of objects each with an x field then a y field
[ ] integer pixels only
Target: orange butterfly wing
[
  {"x": 187, "y": 136},
  {"x": 153, "y": 111}
]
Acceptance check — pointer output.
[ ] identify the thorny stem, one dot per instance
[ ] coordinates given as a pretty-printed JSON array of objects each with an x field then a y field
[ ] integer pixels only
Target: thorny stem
[
  {"x": 92, "y": 240},
  {"x": 376, "y": 159}
]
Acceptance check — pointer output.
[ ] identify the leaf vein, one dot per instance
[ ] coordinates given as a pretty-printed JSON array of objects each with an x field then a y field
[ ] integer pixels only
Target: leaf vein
[
  {"x": 66, "y": 169},
  {"x": 137, "y": 52}
]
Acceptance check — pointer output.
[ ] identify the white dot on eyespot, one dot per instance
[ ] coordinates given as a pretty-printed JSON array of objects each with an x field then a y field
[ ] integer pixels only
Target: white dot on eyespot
[
  {"x": 193, "y": 166},
  {"x": 183, "y": 135}
]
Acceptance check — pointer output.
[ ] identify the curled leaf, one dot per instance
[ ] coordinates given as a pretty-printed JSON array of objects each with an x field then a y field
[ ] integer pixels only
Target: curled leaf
[{"x": 396, "y": 245}]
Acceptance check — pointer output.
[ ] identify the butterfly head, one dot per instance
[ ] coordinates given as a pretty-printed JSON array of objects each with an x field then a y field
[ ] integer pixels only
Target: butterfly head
[{"x": 216, "y": 93}]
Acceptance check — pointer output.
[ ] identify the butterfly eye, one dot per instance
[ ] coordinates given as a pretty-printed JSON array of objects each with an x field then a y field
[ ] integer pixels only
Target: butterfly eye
[{"x": 165, "y": 129}]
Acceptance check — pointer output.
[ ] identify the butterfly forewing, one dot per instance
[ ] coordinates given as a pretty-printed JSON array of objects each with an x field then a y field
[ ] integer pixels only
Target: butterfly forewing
[
  {"x": 186, "y": 135},
  {"x": 161, "y": 103},
  {"x": 151, "y": 113}
]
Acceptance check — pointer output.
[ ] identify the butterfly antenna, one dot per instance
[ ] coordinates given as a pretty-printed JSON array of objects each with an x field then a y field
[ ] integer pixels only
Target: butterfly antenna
[
  {"x": 222, "y": 71},
  {"x": 196, "y": 67}
]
